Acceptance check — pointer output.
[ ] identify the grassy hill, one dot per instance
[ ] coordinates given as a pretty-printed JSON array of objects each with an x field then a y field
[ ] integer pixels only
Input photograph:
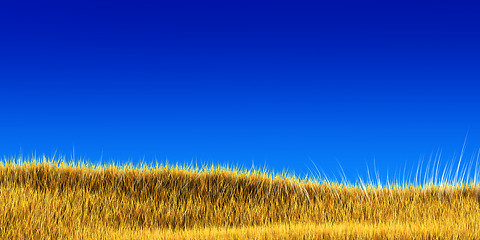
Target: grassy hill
[{"x": 44, "y": 199}]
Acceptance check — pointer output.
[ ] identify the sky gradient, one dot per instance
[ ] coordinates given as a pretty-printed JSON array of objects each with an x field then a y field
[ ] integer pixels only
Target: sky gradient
[{"x": 331, "y": 82}]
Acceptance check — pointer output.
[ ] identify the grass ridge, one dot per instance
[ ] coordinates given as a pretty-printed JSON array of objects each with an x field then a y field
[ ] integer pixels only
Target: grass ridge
[{"x": 39, "y": 195}]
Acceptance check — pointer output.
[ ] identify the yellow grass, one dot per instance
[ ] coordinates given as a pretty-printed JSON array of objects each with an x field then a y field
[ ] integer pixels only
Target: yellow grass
[{"x": 43, "y": 199}]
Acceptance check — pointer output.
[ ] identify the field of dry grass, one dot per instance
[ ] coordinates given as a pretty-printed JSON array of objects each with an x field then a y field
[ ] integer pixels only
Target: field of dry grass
[{"x": 44, "y": 199}]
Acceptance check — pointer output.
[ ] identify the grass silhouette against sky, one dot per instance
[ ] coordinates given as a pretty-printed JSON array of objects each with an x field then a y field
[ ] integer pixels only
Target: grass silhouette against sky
[{"x": 275, "y": 84}]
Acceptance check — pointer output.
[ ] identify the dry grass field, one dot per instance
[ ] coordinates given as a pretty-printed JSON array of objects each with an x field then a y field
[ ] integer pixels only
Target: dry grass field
[{"x": 47, "y": 199}]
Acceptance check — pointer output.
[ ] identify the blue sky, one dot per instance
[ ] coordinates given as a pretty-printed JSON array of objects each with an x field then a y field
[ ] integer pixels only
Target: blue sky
[{"x": 271, "y": 83}]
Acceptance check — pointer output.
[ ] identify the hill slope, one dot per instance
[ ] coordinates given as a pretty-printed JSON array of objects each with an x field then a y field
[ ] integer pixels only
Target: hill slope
[{"x": 48, "y": 200}]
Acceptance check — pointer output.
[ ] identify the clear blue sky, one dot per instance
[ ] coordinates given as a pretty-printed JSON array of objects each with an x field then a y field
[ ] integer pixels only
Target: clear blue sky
[{"x": 222, "y": 82}]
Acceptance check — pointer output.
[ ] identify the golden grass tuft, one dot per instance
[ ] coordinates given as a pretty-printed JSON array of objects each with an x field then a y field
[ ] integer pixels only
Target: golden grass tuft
[{"x": 44, "y": 199}]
